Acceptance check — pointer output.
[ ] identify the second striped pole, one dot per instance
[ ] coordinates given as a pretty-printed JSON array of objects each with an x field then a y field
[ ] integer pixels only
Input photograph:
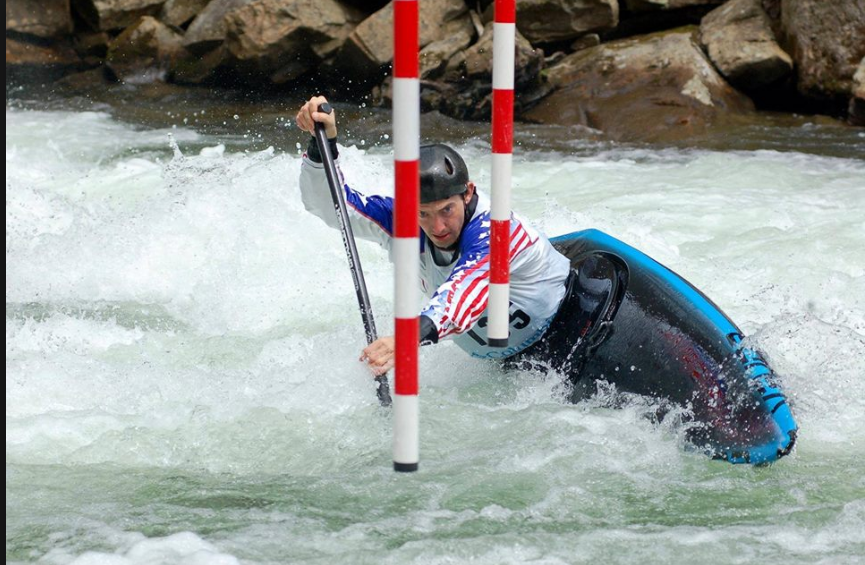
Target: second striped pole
[{"x": 504, "y": 40}]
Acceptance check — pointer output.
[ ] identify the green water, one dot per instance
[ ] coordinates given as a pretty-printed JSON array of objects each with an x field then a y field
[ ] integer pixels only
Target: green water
[{"x": 182, "y": 383}]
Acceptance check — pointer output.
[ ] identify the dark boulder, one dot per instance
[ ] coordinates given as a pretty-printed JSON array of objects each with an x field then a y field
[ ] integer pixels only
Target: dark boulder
[
  {"x": 549, "y": 21},
  {"x": 659, "y": 87},
  {"x": 144, "y": 52},
  {"x": 107, "y": 15},
  {"x": 53, "y": 18},
  {"x": 739, "y": 40},
  {"x": 827, "y": 42}
]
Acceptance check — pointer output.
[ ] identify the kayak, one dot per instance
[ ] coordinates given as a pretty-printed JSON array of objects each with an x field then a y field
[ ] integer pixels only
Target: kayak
[{"x": 630, "y": 321}]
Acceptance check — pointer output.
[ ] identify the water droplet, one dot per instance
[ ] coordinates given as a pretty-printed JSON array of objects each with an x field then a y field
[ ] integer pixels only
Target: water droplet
[{"x": 236, "y": 117}]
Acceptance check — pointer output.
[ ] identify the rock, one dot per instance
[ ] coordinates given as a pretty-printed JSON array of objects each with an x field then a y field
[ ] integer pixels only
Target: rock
[
  {"x": 106, "y": 15},
  {"x": 38, "y": 61},
  {"x": 435, "y": 56},
  {"x": 827, "y": 41},
  {"x": 180, "y": 12},
  {"x": 650, "y": 5},
  {"x": 208, "y": 30},
  {"x": 283, "y": 41},
  {"x": 476, "y": 62},
  {"x": 546, "y": 21},
  {"x": 199, "y": 69},
  {"x": 85, "y": 81},
  {"x": 590, "y": 40},
  {"x": 642, "y": 17},
  {"x": 92, "y": 47},
  {"x": 739, "y": 40},
  {"x": 144, "y": 52},
  {"x": 658, "y": 87},
  {"x": 465, "y": 89},
  {"x": 857, "y": 102},
  {"x": 20, "y": 52},
  {"x": 370, "y": 45},
  {"x": 53, "y": 17},
  {"x": 92, "y": 44},
  {"x": 555, "y": 58},
  {"x": 368, "y": 6}
]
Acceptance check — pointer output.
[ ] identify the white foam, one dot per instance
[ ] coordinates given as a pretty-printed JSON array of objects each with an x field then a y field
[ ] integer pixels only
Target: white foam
[{"x": 180, "y": 312}]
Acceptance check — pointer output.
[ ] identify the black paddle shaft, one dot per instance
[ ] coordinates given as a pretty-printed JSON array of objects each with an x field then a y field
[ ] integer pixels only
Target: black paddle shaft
[{"x": 336, "y": 193}]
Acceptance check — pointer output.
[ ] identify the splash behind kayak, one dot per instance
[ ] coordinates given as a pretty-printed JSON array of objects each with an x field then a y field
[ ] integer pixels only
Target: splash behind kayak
[{"x": 632, "y": 322}]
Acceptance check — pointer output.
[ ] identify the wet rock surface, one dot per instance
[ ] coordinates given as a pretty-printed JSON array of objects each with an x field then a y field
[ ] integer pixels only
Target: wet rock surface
[
  {"x": 624, "y": 69},
  {"x": 651, "y": 88}
]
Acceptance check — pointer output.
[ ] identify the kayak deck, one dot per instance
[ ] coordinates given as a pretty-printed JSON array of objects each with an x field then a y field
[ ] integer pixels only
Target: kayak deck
[{"x": 653, "y": 333}]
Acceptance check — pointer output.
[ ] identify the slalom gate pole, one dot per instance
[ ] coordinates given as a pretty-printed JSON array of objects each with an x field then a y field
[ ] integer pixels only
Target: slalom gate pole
[
  {"x": 406, "y": 242},
  {"x": 338, "y": 197},
  {"x": 504, "y": 40}
]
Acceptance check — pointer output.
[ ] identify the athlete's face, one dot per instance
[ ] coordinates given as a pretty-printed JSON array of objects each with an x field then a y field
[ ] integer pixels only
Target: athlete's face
[{"x": 442, "y": 220}]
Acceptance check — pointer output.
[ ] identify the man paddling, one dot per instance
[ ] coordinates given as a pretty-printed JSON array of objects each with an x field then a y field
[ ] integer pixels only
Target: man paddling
[{"x": 454, "y": 251}]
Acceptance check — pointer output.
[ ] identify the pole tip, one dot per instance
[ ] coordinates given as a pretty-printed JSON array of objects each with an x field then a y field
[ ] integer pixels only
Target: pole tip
[{"x": 405, "y": 467}]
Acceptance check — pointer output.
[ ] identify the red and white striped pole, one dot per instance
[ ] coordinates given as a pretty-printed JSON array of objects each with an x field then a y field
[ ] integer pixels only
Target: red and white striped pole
[
  {"x": 504, "y": 40},
  {"x": 406, "y": 243}
]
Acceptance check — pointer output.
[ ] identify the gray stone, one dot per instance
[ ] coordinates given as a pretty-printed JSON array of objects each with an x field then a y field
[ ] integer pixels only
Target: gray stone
[
  {"x": 279, "y": 40},
  {"x": 53, "y": 17},
  {"x": 180, "y": 12},
  {"x": 23, "y": 53},
  {"x": 590, "y": 40},
  {"x": 465, "y": 89},
  {"x": 37, "y": 62},
  {"x": 197, "y": 69},
  {"x": 144, "y": 52},
  {"x": 85, "y": 81},
  {"x": 827, "y": 41},
  {"x": 658, "y": 87},
  {"x": 545, "y": 21},
  {"x": 106, "y": 15},
  {"x": 739, "y": 40},
  {"x": 370, "y": 45},
  {"x": 435, "y": 56},
  {"x": 651, "y": 5},
  {"x": 208, "y": 30},
  {"x": 93, "y": 44},
  {"x": 476, "y": 62},
  {"x": 857, "y": 101},
  {"x": 92, "y": 47}
]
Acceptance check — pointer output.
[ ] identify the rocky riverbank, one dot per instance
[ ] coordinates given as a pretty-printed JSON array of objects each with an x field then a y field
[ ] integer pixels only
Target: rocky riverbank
[{"x": 636, "y": 70}]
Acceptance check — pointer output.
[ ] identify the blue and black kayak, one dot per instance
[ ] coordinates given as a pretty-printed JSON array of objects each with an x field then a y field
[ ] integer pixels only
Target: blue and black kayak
[{"x": 633, "y": 322}]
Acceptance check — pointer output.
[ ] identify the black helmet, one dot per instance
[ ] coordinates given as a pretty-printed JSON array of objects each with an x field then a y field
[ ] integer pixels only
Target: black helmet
[{"x": 443, "y": 173}]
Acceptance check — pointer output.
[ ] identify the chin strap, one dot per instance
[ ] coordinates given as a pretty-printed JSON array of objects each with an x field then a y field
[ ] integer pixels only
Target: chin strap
[{"x": 470, "y": 208}]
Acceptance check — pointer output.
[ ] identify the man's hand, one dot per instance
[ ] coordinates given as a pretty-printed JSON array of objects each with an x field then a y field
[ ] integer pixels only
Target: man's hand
[
  {"x": 309, "y": 114},
  {"x": 379, "y": 355}
]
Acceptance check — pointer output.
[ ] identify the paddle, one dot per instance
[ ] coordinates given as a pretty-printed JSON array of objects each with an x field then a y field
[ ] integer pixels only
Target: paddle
[{"x": 336, "y": 193}]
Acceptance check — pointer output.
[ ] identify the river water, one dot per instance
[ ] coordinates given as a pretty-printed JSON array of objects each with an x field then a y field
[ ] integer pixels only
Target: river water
[{"x": 182, "y": 383}]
